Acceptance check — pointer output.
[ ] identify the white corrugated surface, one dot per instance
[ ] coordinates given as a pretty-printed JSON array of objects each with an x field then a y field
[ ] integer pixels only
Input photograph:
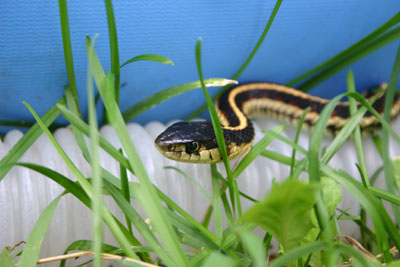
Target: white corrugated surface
[{"x": 24, "y": 193}]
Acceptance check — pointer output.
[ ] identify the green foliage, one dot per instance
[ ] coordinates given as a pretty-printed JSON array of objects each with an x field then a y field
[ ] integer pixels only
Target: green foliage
[
  {"x": 305, "y": 234},
  {"x": 396, "y": 173},
  {"x": 6, "y": 258},
  {"x": 31, "y": 251},
  {"x": 27, "y": 140},
  {"x": 332, "y": 196},
  {"x": 285, "y": 213},
  {"x": 218, "y": 259},
  {"x": 149, "y": 57}
]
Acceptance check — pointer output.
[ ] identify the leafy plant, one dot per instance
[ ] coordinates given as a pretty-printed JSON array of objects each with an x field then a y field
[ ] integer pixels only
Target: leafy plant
[{"x": 300, "y": 215}]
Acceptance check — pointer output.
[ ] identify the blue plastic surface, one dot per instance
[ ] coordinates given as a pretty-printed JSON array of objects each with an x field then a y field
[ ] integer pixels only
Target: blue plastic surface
[{"x": 304, "y": 34}]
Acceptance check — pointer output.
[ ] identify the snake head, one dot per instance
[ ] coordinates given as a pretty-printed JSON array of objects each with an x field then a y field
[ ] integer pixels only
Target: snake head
[{"x": 189, "y": 142}]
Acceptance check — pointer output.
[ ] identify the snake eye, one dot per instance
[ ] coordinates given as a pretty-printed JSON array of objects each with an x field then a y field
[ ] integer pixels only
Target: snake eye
[{"x": 192, "y": 147}]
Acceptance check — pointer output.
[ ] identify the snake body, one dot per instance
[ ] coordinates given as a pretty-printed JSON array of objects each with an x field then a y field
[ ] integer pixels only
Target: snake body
[{"x": 195, "y": 141}]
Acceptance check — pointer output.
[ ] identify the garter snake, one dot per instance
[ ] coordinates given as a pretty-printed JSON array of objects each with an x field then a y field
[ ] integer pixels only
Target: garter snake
[{"x": 195, "y": 141}]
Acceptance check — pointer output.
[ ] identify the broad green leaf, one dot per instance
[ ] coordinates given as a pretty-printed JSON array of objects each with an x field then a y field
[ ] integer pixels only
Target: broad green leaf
[
  {"x": 218, "y": 259},
  {"x": 285, "y": 213},
  {"x": 332, "y": 196}
]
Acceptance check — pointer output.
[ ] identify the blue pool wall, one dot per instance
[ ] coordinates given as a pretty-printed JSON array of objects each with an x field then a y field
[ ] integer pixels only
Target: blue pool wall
[{"x": 303, "y": 35}]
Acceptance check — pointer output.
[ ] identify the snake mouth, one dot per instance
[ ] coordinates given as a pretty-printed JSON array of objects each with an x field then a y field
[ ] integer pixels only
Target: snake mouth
[{"x": 178, "y": 152}]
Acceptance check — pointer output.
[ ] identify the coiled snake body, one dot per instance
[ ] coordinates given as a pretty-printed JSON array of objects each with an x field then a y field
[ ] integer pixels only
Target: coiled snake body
[{"x": 195, "y": 141}]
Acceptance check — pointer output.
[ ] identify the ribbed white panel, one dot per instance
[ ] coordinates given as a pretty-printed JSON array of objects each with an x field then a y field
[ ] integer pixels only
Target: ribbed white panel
[{"x": 24, "y": 193}]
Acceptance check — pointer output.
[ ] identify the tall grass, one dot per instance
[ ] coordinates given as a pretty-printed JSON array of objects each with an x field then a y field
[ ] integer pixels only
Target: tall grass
[{"x": 299, "y": 214}]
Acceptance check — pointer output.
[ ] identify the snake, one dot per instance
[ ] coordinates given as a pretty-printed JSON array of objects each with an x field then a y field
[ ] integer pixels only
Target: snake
[{"x": 195, "y": 141}]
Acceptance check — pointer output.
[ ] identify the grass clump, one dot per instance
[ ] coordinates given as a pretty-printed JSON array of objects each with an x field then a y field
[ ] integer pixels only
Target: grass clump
[{"x": 301, "y": 215}]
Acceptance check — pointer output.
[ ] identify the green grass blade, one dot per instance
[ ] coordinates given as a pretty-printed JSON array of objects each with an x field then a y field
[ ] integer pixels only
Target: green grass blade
[
  {"x": 349, "y": 59},
  {"x": 31, "y": 251},
  {"x": 26, "y": 124},
  {"x": 256, "y": 150},
  {"x": 314, "y": 165},
  {"x": 278, "y": 3},
  {"x": 70, "y": 186},
  {"x": 396, "y": 172},
  {"x": 68, "y": 49},
  {"x": 84, "y": 128},
  {"x": 192, "y": 231},
  {"x": 27, "y": 140},
  {"x": 382, "y": 194},
  {"x": 254, "y": 247},
  {"x": 149, "y": 57},
  {"x": 298, "y": 252},
  {"x": 343, "y": 135},
  {"x": 85, "y": 245},
  {"x": 277, "y": 157},
  {"x": 77, "y": 134},
  {"x": 296, "y": 140},
  {"x": 97, "y": 182},
  {"x": 357, "y": 132},
  {"x": 5, "y": 258},
  {"x": 191, "y": 179},
  {"x": 86, "y": 187},
  {"x": 374, "y": 207},
  {"x": 114, "y": 53},
  {"x": 286, "y": 141},
  {"x": 316, "y": 246},
  {"x": 140, "y": 225},
  {"x": 75, "y": 189},
  {"x": 125, "y": 190},
  {"x": 166, "y": 94},
  {"x": 216, "y": 201},
  {"x": 84, "y": 183},
  {"x": 219, "y": 135},
  {"x": 387, "y": 161},
  {"x": 260, "y": 40},
  {"x": 384, "y": 123},
  {"x": 171, "y": 204},
  {"x": 345, "y": 53},
  {"x": 147, "y": 195}
]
